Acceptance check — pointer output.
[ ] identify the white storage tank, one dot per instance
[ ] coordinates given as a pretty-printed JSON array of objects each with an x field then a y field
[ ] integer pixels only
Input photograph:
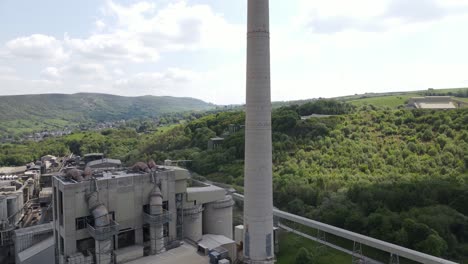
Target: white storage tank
[
  {"x": 193, "y": 222},
  {"x": 217, "y": 217}
]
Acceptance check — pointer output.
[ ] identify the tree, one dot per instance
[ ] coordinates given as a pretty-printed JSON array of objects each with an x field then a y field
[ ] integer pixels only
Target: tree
[
  {"x": 433, "y": 245},
  {"x": 304, "y": 257}
]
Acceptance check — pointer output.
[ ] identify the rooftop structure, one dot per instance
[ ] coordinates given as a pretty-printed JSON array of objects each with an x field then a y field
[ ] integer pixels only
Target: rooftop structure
[
  {"x": 214, "y": 143},
  {"x": 104, "y": 164},
  {"x": 432, "y": 102}
]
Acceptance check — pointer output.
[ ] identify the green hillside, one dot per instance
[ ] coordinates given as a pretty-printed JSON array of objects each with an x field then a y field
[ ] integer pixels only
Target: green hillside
[
  {"x": 26, "y": 113},
  {"x": 399, "y": 175}
]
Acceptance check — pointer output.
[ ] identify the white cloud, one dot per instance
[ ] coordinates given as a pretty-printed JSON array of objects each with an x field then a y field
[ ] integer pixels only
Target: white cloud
[
  {"x": 7, "y": 73},
  {"x": 116, "y": 47},
  {"x": 176, "y": 26},
  {"x": 100, "y": 25},
  {"x": 37, "y": 47},
  {"x": 143, "y": 31},
  {"x": 335, "y": 16},
  {"x": 51, "y": 73},
  {"x": 173, "y": 81}
]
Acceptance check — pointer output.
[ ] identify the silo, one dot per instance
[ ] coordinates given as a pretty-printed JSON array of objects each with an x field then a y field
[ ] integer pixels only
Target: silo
[
  {"x": 217, "y": 217},
  {"x": 193, "y": 222}
]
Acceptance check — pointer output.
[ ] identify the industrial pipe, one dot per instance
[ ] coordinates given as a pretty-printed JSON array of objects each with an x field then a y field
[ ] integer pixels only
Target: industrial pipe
[{"x": 101, "y": 220}]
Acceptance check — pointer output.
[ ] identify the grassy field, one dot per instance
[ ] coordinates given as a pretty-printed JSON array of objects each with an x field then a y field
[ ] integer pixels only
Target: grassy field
[
  {"x": 391, "y": 101},
  {"x": 291, "y": 243}
]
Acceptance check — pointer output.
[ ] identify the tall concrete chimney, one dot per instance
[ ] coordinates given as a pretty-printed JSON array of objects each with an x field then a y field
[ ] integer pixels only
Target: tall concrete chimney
[{"x": 258, "y": 193}]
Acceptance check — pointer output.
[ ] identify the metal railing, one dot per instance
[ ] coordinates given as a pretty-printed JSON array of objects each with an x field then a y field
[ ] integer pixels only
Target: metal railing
[
  {"x": 104, "y": 232},
  {"x": 159, "y": 219},
  {"x": 394, "y": 250}
]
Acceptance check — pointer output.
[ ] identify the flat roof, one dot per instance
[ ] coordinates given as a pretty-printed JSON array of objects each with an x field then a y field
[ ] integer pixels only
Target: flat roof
[
  {"x": 183, "y": 254},
  {"x": 12, "y": 170},
  {"x": 214, "y": 241},
  {"x": 429, "y": 105},
  {"x": 104, "y": 161},
  {"x": 206, "y": 194}
]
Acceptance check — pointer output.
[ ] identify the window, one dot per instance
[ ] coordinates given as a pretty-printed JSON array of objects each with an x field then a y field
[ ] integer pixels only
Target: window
[
  {"x": 82, "y": 222},
  {"x": 146, "y": 233},
  {"x": 60, "y": 196},
  {"x": 55, "y": 203},
  {"x": 166, "y": 230},
  {"x": 126, "y": 239},
  {"x": 62, "y": 245},
  {"x": 85, "y": 244}
]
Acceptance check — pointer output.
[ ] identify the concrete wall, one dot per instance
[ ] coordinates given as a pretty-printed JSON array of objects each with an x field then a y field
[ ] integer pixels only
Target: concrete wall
[{"x": 39, "y": 254}]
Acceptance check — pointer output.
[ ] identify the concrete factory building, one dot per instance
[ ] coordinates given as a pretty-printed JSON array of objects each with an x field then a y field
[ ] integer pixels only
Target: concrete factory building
[{"x": 122, "y": 215}]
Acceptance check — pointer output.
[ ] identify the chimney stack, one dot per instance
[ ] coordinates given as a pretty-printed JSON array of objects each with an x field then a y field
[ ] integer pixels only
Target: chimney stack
[{"x": 258, "y": 179}]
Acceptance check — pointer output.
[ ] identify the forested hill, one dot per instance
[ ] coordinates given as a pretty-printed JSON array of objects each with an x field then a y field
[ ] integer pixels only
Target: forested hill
[
  {"x": 30, "y": 111},
  {"x": 399, "y": 175}
]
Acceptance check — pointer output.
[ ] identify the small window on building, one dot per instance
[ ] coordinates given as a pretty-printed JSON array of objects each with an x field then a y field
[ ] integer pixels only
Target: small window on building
[
  {"x": 62, "y": 245},
  {"x": 146, "y": 233},
  {"x": 166, "y": 230},
  {"x": 60, "y": 205},
  {"x": 55, "y": 203},
  {"x": 82, "y": 222},
  {"x": 166, "y": 205},
  {"x": 126, "y": 239},
  {"x": 84, "y": 244}
]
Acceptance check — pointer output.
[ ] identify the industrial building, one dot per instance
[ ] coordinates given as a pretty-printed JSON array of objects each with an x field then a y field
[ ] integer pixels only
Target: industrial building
[
  {"x": 116, "y": 216},
  {"x": 13, "y": 196}
]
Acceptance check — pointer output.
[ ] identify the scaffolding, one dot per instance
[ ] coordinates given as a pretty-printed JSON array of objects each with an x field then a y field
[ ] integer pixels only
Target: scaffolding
[
  {"x": 6, "y": 234},
  {"x": 357, "y": 253},
  {"x": 104, "y": 232},
  {"x": 180, "y": 216},
  {"x": 159, "y": 219},
  {"x": 394, "y": 259}
]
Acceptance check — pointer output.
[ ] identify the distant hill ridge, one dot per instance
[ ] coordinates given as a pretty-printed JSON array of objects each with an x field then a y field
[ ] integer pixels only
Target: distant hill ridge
[{"x": 98, "y": 107}]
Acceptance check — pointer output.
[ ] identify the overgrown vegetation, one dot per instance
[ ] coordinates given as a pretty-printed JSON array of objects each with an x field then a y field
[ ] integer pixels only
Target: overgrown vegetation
[{"x": 398, "y": 175}]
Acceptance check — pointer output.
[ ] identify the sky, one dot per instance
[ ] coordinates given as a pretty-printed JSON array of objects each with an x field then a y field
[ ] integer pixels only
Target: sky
[{"x": 196, "y": 48}]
